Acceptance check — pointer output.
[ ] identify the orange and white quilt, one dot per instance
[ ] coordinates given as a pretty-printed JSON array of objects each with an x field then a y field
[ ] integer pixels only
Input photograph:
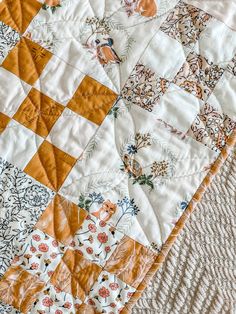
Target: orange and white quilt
[{"x": 114, "y": 117}]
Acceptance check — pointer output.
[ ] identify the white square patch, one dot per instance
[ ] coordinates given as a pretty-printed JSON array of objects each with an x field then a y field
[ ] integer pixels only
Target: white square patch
[
  {"x": 164, "y": 56},
  {"x": 12, "y": 92},
  {"x": 41, "y": 255},
  {"x": 217, "y": 43},
  {"x": 59, "y": 80},
  {"x": 95, "y": 240},
  {"x": 224, "y": 95},
  {"x": 18, "y": 144},
  {"x": 60, "y": 302},
  {"x": 71, "y": 133},
  {"x": 105, "y": 291},
  {"x": 183, "y": 107}
]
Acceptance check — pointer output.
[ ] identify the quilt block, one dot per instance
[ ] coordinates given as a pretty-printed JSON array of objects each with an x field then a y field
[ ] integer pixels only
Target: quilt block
[{"x": 114, "y": 117}]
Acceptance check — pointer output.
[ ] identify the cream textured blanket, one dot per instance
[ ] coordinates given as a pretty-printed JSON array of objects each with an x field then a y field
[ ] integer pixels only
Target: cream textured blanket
[{"x": 199, "y": 274}]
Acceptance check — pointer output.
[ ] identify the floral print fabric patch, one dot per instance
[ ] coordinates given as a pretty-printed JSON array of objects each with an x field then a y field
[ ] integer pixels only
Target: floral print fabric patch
[
  {"x": 185, "y": 23},
  {"x": 198, "y": 76},
  {"x": 107, "y": 130}
]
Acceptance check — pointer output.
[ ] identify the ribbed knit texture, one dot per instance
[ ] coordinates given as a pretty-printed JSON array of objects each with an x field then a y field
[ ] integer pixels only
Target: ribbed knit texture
[{"x": 199, "y": 274}]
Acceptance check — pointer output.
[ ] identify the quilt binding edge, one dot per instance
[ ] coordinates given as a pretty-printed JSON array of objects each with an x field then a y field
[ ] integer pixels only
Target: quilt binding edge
[{"x": 181, "y": 222}]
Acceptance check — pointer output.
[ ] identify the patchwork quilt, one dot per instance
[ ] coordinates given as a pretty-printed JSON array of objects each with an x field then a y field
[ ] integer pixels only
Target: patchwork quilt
[{"x": 114, "y": 117}]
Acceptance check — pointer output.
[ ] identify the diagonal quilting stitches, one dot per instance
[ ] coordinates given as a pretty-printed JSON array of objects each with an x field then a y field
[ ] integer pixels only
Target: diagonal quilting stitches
[
  {"x": 40, "y": 166},
  {"x": 130, "y": 261},
  {"x": 38, "y": 112},
  {"x": 61, "y": 219},
  {"x": 75, "y": 274},
  {"x": 19, "y": 288},
  {"x": 27, "y": 60},
  {"x": 94, "y": 99},
  {"x": 18, "y": 13}
]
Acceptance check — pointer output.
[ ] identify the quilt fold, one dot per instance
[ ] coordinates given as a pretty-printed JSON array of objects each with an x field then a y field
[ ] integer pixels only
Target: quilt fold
[{"x": 115, "y": 116}]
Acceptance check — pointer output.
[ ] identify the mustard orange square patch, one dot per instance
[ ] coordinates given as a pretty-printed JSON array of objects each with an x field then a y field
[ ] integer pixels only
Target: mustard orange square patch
[
  {"x": 27, "y": 60},
  {"x": 4, "y": 120},
  {"x": 19, "y": 288},
  {"x": 19, "y": 13},
  {"x": 50, "y": 165},
  {"x": 61, "y": 219},
  {"x": 75, "y": 274},
  {"x": 136, "y": 258},
  {"x": 38, "y": 112},
  {"x": 92, "y": 100}
]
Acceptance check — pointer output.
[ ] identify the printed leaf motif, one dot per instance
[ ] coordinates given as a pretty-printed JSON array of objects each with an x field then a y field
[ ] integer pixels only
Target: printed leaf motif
[
  {"x": 185, "y": 23},
  {"x": 134, "y": 168},
  {"x": 143, "y": 88},
  {"x": 8, "y": 39},
  {"x": 198, "y": 76},
  {"x": 212, "y": 128},
  {"x": 22, "y": 201},
  {"x": 92, "y": 198}
]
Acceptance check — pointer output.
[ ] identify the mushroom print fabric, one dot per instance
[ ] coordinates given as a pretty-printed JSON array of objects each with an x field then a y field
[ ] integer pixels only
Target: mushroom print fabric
[{"x": 114, "y": 117}]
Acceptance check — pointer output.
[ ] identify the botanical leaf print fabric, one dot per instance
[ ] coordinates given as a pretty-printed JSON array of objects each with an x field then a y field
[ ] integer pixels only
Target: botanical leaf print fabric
[
  {"x": 185, "y": 23},
  {"x": 22, "y": 202},
  {"x": 114, "y": 117},
  {"x": 212, "y": 127},
  {"x": 143, "y": 88},
  {"x": 198, "y": 76},
  {"x": 9, "y": 38}
]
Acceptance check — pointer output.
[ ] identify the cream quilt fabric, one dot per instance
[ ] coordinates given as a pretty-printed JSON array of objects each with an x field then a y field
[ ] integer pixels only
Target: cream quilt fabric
[{"x": 115, "y": 116}]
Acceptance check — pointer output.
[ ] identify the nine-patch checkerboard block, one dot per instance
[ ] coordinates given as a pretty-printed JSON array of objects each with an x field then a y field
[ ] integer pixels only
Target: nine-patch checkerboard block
[
  {"x": 47, "y": 110},
  {"x": 79, "y": 259},
  {"x": 198, "y": 72}
]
